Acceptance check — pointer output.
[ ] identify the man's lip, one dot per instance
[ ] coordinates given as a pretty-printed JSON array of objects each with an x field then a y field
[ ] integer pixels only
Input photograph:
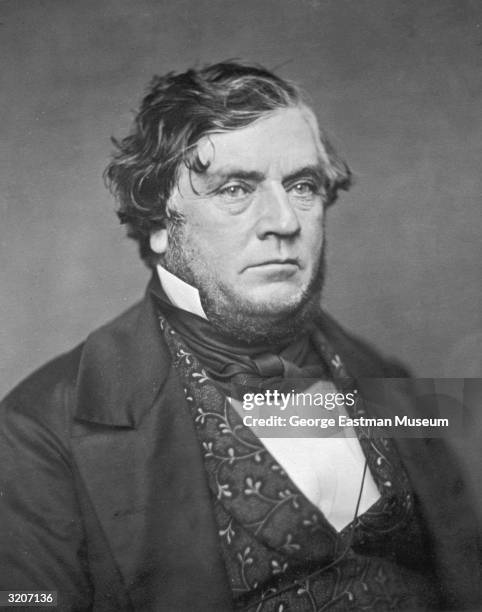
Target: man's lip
[{"x": 279, "y": 262}]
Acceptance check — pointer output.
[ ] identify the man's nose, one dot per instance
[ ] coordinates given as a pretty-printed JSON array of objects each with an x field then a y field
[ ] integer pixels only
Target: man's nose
[{"x": 277, "y": 215}]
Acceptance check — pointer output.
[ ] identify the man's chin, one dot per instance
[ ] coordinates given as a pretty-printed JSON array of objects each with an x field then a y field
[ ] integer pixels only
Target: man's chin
[
  {"x": 273, "y": 303},
  {"x": 261, "y": 319}
]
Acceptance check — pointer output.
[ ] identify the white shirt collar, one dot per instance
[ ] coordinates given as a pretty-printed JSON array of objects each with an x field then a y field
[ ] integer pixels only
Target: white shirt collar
[{"x": 181, "y": 294}]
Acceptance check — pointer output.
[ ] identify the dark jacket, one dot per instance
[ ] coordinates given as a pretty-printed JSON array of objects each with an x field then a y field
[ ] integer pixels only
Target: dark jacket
[{"x": 103, "y": 493}]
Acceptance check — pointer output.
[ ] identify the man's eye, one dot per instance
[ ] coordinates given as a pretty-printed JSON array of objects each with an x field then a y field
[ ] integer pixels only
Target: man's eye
[
  {"x": 234, "y": 191},
  {"x": 303, "y": 189}
]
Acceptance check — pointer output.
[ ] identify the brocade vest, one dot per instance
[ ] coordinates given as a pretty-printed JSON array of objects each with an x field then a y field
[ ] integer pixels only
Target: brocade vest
[{"x": 280, "y": 552}]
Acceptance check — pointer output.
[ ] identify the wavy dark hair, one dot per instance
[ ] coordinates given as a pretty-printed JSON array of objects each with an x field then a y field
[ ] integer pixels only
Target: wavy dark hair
[{"x": 177, "y": 111}]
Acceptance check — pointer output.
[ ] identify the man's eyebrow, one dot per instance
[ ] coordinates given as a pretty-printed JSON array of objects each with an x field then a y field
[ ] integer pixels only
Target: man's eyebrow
[
  {"x": 226, "y": 174},
  {"x": 314, "y": 171}
]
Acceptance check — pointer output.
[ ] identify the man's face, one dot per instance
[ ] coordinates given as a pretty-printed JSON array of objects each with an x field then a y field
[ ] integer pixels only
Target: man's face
[{"x": 252, "y": 233}]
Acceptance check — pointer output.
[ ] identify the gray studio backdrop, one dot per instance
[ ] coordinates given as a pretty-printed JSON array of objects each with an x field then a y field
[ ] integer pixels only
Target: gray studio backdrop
[{"x": 396, "y": 83}]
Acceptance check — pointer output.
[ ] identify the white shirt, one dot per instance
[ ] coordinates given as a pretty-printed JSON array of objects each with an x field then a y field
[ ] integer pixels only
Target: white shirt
[{"x": 328, "y": 471}]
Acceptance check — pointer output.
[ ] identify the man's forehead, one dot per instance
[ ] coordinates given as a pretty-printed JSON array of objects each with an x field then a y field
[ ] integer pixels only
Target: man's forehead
[{"x": 285, "y": 138}]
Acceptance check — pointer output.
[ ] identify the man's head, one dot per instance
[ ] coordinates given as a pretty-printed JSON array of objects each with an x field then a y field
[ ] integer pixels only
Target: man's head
[{"x": 224, "y": 180}]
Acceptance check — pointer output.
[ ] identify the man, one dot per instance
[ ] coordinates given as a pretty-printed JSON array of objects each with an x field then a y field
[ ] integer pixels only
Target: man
[{"x": 129, "y": 479}]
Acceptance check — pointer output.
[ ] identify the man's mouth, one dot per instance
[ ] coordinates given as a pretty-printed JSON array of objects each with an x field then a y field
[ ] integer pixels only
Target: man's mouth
[
  {"x": 275, "y": 262},
  {"x": 274, "y": 270}
]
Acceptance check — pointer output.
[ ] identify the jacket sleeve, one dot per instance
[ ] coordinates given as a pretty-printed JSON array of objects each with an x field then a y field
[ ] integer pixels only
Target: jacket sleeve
[{"x": 42, "y": 543}]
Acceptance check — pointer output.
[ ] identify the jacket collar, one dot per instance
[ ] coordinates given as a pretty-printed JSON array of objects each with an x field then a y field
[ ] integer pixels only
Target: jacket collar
[{"x": 124, "y": 365}]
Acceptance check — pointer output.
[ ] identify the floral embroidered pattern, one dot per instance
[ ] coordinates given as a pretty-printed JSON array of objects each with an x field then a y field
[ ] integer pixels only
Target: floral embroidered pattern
[{"x": 280, "y": 552}]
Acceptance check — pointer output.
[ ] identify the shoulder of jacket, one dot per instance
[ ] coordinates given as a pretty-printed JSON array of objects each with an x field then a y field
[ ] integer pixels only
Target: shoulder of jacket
[
  {"x": 48, "y": 394},
  {"x": 361, "y": 357}
]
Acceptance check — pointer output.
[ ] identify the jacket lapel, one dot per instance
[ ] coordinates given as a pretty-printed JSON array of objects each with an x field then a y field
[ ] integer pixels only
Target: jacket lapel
[
  {"x": 430, "y": 464},
  {"x": 139, "y": 461}
]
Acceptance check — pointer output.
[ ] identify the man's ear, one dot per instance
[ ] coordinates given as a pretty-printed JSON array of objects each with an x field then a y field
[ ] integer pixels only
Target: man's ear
[{"x": 159, "y": 241}]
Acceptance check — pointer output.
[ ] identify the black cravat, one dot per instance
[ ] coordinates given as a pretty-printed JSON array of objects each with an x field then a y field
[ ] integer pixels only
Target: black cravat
[{"x": 228, "y": 362}]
